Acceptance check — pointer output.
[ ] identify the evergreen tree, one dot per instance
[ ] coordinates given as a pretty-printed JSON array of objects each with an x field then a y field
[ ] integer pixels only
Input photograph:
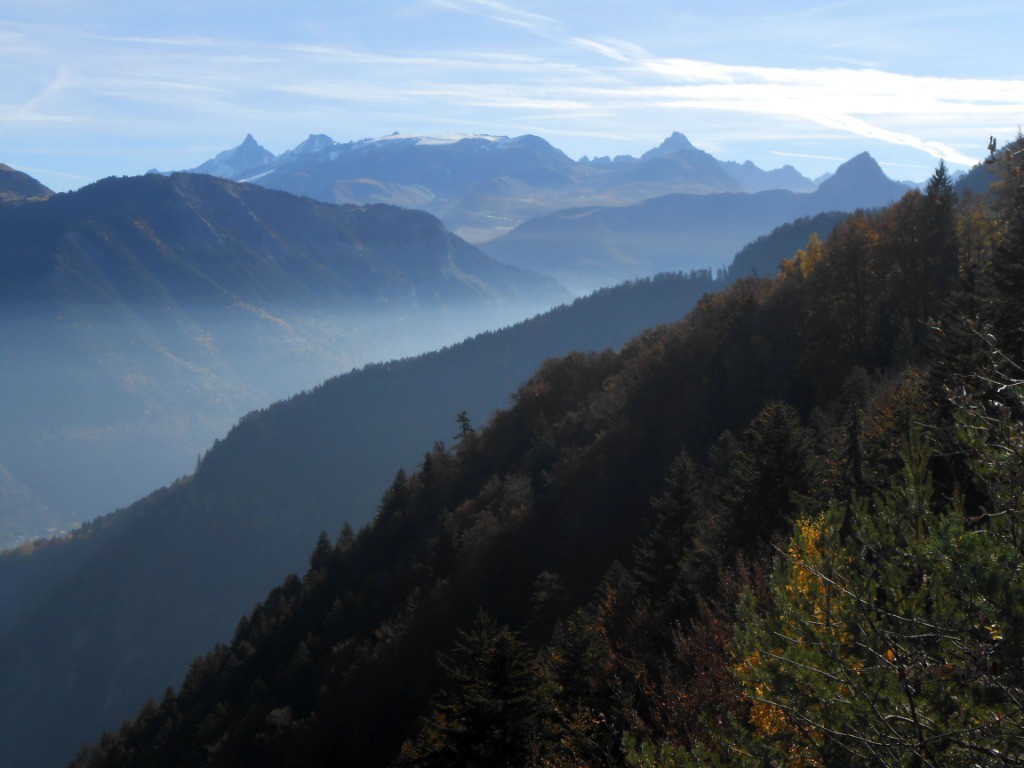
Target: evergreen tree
[
  {"x": 578, "y": 663},
  {"x": 771, "y": 477},
  {"x": 667, "y": 566},
  {"x": 321, "y": 557},
  {"x": 1007, "y": 312},
  {"x": 894, "y": 630},
  {"x": 495, "y": 712},
  {"x": 941, "y": 199}
]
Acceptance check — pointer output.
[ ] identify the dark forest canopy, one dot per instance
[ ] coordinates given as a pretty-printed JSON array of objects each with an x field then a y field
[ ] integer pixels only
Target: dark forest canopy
[
  {"x": 781, "y": 531},
  {"x": 145, "y": 589}
]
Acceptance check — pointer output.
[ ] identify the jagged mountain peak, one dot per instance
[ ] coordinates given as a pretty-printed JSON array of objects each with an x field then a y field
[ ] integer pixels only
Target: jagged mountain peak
[
  {"x": 862, "y": 167},
  {"x": 249, "y": 144},
  {"x": 314, "y": 143},
  {"x": 863, "y": 160},
  {"x": 237, "y": 162},
  {"x": 677, "y": 142},
  {"x": 862, "y": 173}
]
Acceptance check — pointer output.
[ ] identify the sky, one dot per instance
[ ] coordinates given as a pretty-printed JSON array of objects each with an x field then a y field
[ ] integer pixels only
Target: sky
[{"x": 96, "y": 88}]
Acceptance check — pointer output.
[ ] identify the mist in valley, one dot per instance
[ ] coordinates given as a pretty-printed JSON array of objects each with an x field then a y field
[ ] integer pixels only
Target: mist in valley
[{"x": 108, "y": 403}]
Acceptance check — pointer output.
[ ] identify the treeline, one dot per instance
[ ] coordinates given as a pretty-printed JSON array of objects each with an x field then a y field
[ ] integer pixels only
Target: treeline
[{"x": 779, "y": 532}]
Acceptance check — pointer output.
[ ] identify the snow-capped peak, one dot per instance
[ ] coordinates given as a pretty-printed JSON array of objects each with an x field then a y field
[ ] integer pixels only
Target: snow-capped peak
[
  {"x": 439, "y": 139},
  {"x": 315, "y": 143}
]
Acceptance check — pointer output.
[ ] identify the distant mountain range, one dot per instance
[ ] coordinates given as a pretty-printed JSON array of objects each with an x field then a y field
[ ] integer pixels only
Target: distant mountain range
[
  {"x": 590, "y": 223},
  {"x": 139, "y": 317},
  {"x": 601, "y": 245},
  {"x": 482, "y": 186}
]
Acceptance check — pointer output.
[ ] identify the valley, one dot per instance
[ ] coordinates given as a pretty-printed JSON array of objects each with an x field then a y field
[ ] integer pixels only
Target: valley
[{"x": 144, "y": 309}]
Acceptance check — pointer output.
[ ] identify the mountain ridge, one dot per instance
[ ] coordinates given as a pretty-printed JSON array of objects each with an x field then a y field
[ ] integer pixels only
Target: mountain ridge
[
  {"x": 598, "y": 245},
  {"x": 354, "y": 430},
  {"x": 179, "y": 303},
  {"x": 16, "y": 186},
  {"x": 482, "y": 185}
]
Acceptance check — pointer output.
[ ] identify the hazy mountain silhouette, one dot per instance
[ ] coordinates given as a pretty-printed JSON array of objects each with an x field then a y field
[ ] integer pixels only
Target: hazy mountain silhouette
[
  {"x": 589, "y": 247},
  {"x": 859, "y": 183},
  {"x": 753, "y": 179},
  {"x": 139, "y": 317}
]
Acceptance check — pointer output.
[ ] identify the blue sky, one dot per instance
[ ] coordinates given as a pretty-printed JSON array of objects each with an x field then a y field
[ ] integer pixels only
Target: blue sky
[{"x": 93, "y": 88}]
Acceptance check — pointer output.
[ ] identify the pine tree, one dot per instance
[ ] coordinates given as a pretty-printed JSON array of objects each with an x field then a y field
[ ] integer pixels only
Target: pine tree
[
  {"x": 1007, "y": 314},
  {"x": 771, "y": 477},
  {"x": 578, "y": 662},
  {"x": 320, "y": 559},
  {"x": 898, "y": 642},
  {"x": 495, "y": 712},
  {"x": 661, "y": 556}
]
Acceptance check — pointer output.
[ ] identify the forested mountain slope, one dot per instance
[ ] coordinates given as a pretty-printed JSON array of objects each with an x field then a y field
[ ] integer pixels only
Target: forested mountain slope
[
  {"x": 580, "y": 623},
  {"x": 141, "y": 317},
  {"x": 146, "y": 589}
]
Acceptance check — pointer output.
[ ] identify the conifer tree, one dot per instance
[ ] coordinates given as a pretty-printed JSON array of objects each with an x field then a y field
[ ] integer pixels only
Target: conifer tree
[
  {"x": 1008, "y": 259},
  {"x": 897, "y": 643},
  {"x": 770, "y": 478},
  {"x": 495, "y": 711},
  {"x": 578, "y": 662},
  {"x": 661, "y": 562}
]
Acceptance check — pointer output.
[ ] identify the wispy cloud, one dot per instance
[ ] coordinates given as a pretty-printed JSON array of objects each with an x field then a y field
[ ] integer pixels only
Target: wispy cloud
[
  {"x": 608, "y": 82},
  {"x": 31, "y": 110},
  {"x": 606, "y": 50},
  {"x": 865, "y": 102},
  {"x": 503, "y": 13},
  {"x": 855, "y": 101},
  {"x": 171, "y": 42}
]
